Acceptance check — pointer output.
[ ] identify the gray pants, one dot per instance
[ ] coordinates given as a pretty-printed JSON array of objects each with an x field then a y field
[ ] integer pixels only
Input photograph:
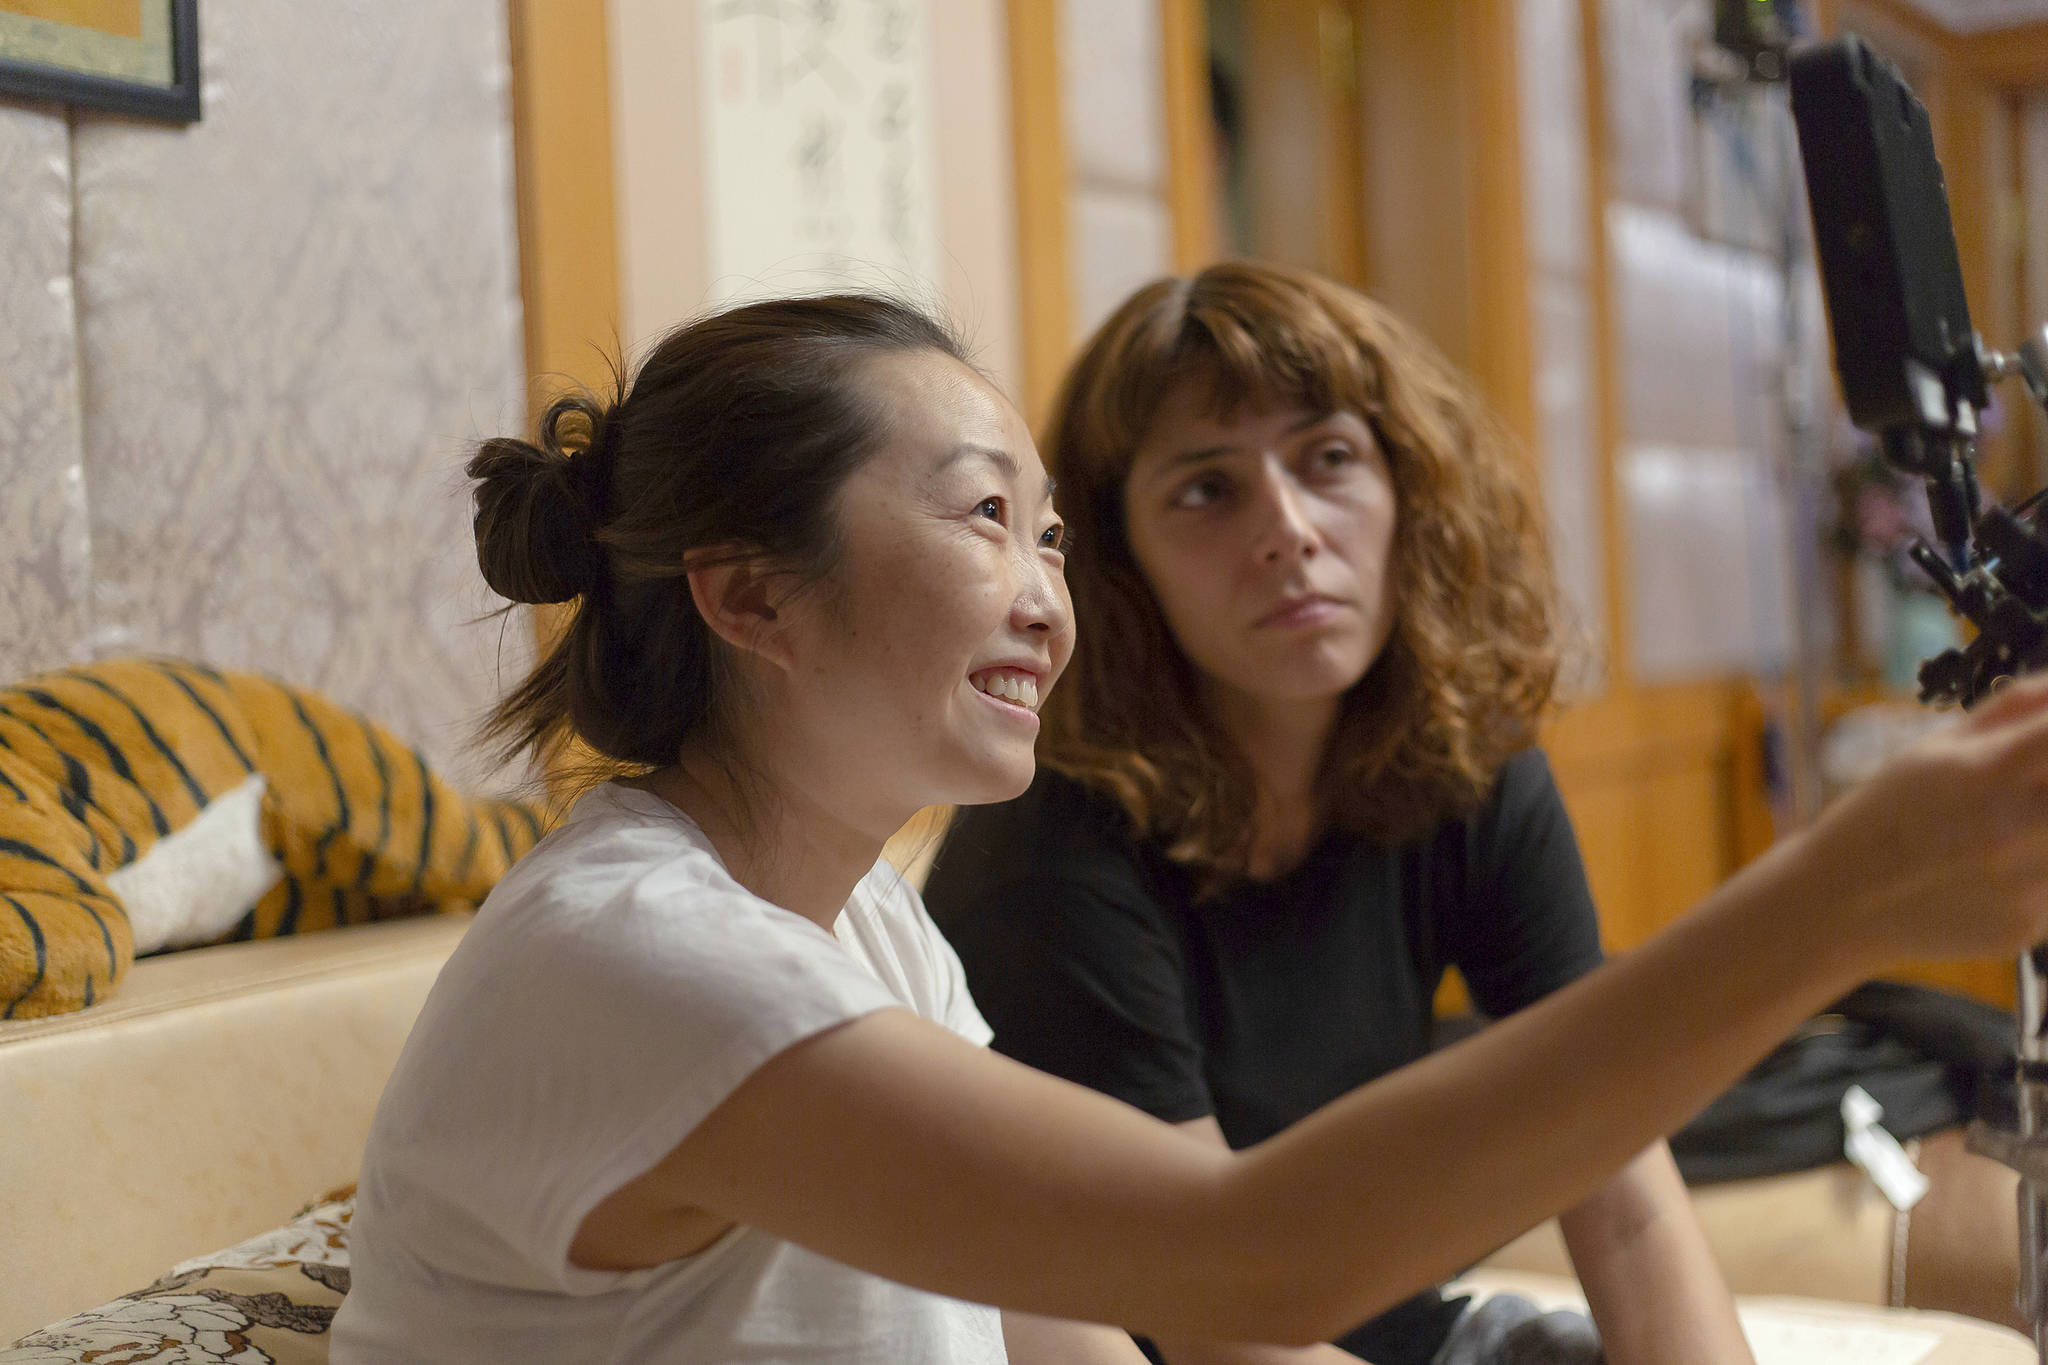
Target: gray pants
[{"x": 1509, "y": 1330}]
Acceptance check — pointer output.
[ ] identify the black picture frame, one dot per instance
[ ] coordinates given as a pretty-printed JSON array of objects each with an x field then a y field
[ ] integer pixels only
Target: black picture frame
[{"x": 177, "y": 102}]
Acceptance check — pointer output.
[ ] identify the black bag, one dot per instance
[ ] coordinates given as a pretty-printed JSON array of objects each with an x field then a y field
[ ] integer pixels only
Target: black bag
[{"x": 1932, "y": 1058}]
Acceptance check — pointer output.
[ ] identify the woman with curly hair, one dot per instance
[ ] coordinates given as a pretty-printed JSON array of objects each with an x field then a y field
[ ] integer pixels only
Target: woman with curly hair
[
  {"x": 1292, "y": 776},
  {"x": 703, "y": 1085}
]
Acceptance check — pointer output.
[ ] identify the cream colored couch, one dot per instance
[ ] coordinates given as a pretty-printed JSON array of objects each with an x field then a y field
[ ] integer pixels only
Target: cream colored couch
[
  {"x": 225, "y": 1088},
  {"x": 220, "y": 1091}
]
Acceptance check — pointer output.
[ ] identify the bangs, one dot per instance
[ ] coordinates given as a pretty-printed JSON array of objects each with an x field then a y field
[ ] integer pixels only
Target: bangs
[{"x": 1238, "y": 350}]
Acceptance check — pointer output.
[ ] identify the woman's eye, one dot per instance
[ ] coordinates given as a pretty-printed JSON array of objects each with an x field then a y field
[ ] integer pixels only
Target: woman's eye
[
  {"x": 1054, "y": 537},
  {"x": 992, "y": 508},
  {"x": 1333, "y": 457},
  {"x": 1201, "y": 492}
]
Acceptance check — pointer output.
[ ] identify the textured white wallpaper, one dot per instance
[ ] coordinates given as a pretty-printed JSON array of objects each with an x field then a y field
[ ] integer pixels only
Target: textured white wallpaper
[
  {"x": 44, "y": 584},
  {"x": 282, "y": 327}
]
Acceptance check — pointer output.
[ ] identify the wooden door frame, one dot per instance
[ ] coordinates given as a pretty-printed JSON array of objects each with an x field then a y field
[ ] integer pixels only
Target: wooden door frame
[
  {"x": 568, "y": 236},
  {"x": 562, "y": 163},
  {"x": 1044, "y": 191}
]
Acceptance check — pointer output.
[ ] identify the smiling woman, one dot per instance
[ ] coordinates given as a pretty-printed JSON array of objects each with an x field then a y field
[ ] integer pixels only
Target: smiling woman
[
  {"x": 703, "y": 1083},
  {"x": 817, "y": 578}
]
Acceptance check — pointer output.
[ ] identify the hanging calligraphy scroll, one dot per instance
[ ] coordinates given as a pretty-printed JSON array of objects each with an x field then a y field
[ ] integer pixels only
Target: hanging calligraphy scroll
[{"x": 819, "y": 145}]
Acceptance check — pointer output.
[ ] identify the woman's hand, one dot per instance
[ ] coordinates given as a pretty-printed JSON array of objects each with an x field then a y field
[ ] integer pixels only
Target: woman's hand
[{"x": 1944, "y": 853}]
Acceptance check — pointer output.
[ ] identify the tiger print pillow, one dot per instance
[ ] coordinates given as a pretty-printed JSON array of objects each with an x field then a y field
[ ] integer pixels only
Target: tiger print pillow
[{"x": 229, "y": 806}]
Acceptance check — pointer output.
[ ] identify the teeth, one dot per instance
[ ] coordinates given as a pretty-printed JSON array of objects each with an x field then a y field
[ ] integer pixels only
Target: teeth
[{"x": 1019, "y": 691}]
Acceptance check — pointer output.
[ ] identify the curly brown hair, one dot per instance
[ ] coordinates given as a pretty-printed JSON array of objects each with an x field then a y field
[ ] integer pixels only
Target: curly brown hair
[{"x": 1472, "y": 659}]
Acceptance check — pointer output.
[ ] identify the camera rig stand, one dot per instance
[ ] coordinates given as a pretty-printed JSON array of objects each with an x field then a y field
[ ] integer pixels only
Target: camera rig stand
[
  {"x": 1915, "y": 374},
  {"x": 1995, "y": 575}
]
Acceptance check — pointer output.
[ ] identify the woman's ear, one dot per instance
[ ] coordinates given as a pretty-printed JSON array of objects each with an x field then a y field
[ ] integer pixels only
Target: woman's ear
[{"x": 738, "y": 598}]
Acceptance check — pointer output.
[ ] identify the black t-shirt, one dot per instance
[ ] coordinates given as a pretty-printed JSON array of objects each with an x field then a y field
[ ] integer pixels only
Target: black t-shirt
[{"x": 1091, "y": 958}]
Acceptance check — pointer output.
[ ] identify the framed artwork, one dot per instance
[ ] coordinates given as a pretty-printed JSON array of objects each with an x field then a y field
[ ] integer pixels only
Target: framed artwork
[
  {"x": 822, "y": 159},
  {"x": 135, "y": 57}
]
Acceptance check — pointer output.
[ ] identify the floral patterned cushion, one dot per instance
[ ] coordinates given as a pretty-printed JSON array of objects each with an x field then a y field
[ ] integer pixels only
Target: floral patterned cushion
[{"x": 268, "y": 1301}]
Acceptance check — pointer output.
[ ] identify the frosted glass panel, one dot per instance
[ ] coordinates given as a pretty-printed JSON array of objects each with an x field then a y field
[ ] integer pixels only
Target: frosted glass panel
[
  {"x": 1566, "y": 404},
  {"x": 1645, "y": 62},
  {"x": 1120, "y": 241},
  {"x": 1114, "y": 106},
  {"x": 1553, "y": 134},
  {"x": 1707, "y": 544},
  {"x": 1698, "y": 339}
]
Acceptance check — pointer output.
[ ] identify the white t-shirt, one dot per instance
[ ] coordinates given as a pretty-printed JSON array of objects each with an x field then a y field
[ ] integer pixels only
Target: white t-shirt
[{"x": 617, "y": 985}]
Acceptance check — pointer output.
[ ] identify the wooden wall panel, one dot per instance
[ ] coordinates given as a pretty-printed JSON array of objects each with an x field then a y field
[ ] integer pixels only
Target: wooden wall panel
[
  {"x": 1190, "y": 134},
  {"x": 562, "y": 155},
  {"x": 1039, "y": 146},
  {"x": 568, "y": 239},
  {"x": 1302, "y": 166},
  {"x": 2010, "y": 57},
  {"x": 1647, "y": 775},
  {"x": 1499, "y": 323},
  {"x": 1418, "y": 217}
]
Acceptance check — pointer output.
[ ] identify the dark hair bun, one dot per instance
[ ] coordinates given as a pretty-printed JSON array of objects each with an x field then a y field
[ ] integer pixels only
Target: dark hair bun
[
  {"x": 737, "y": 431},
  {"x": 536, "y": 535}
]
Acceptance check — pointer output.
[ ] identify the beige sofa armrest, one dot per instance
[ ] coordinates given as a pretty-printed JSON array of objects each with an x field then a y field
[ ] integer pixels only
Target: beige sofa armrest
[
  {"x": 1829, "y": 1234},
  {"x": 218, "y": 1092},
  {"x": 1784, "y": 1330}
]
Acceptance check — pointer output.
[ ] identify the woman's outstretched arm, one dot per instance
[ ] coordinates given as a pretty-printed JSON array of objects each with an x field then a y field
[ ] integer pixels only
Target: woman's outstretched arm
[
  {"x": 1651, "y": 1280},
  {"x": 1180, "y": 1351},
  {"x": 890, "y": 1144}
]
